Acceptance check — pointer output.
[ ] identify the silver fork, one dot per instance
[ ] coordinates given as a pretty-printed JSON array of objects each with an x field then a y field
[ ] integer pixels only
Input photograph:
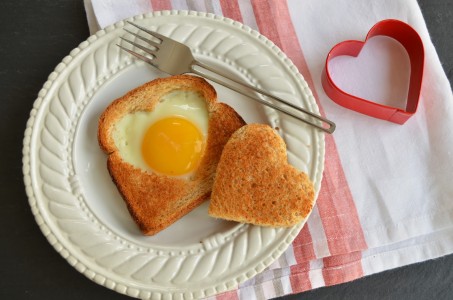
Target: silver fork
[{"x": 176, "y": 58}]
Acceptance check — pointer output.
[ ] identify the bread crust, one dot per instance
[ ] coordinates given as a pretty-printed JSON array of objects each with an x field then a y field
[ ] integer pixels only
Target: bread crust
[
  {"x": 255, "y": 184},
  {"x": 155, "y": 201}
]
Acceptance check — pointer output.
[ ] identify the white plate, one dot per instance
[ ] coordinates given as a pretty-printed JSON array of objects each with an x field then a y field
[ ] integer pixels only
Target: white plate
[{"x": 79, "y": 209}]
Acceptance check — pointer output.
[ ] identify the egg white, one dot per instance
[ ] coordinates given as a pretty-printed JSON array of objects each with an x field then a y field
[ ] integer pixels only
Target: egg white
[{"x": 129, "y": 132}]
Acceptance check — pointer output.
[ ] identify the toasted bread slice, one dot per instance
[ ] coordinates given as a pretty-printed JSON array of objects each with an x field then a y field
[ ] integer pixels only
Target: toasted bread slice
[
  {"x": 255, "y": 184},
  {"x": 154, "y": 200}
]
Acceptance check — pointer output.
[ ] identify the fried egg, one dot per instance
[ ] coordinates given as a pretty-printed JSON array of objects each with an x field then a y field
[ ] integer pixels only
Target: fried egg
[{"x": 170, "y": 139}]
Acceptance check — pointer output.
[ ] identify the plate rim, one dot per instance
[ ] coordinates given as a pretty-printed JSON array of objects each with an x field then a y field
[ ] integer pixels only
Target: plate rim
[{"x": 26, "y": 159}]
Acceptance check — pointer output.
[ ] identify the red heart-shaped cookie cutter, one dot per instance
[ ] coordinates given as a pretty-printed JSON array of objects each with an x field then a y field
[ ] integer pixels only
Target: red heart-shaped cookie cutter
[{"x": 411, "y": 41}]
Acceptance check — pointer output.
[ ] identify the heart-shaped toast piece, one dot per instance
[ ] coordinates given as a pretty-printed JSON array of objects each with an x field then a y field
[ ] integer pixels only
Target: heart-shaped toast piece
[{"x": 254, "y": 182}]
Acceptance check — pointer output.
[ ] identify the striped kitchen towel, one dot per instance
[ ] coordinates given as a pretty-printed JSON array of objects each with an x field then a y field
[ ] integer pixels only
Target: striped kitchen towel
[{"x": 386, "y": 197}]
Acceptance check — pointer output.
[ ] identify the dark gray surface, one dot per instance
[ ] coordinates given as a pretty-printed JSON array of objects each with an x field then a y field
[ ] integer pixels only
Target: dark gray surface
[{"x": 35, "y": 36}]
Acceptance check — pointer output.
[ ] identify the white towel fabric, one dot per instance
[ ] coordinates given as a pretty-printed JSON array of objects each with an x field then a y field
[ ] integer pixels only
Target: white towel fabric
[{"x": 386, "y": 198}]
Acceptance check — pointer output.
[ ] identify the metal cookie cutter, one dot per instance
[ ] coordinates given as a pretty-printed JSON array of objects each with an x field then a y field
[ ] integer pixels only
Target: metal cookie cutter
[{"x": 411, "y": 41}]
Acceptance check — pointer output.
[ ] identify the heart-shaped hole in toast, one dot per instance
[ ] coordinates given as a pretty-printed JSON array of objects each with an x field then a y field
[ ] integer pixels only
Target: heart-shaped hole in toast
[
  {"x": 255, "y": 184},
  {"x": 156, "y": 200}
]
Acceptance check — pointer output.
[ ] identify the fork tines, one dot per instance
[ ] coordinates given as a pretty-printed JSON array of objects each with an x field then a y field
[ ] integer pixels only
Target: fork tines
[{"x": 154, "y": 43}]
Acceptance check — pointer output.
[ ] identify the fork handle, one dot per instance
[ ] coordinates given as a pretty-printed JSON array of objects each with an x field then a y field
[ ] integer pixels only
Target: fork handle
[{"x": 330, "y": 125}]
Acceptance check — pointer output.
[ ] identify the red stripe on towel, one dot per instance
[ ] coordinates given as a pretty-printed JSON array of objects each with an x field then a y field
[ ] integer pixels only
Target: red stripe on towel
[
  {"x": 336, "y": 207},
  {"x": 161, "y": 5},
  {"x": 303, "y": 246},
  {"x": 231, "y": 295},
  {"x": 335, "y": 204},
  {"x": 299, "y": 278},
  {"x": 303, "y": 253},
  {"x": 230, "y": 9},
  {"x": 270, "y": 26},
  {"x": 342, "y": 268}
]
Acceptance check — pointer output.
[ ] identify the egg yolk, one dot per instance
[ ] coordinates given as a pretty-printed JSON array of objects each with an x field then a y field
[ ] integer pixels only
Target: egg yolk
[{"x": 172, "y": 146}]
